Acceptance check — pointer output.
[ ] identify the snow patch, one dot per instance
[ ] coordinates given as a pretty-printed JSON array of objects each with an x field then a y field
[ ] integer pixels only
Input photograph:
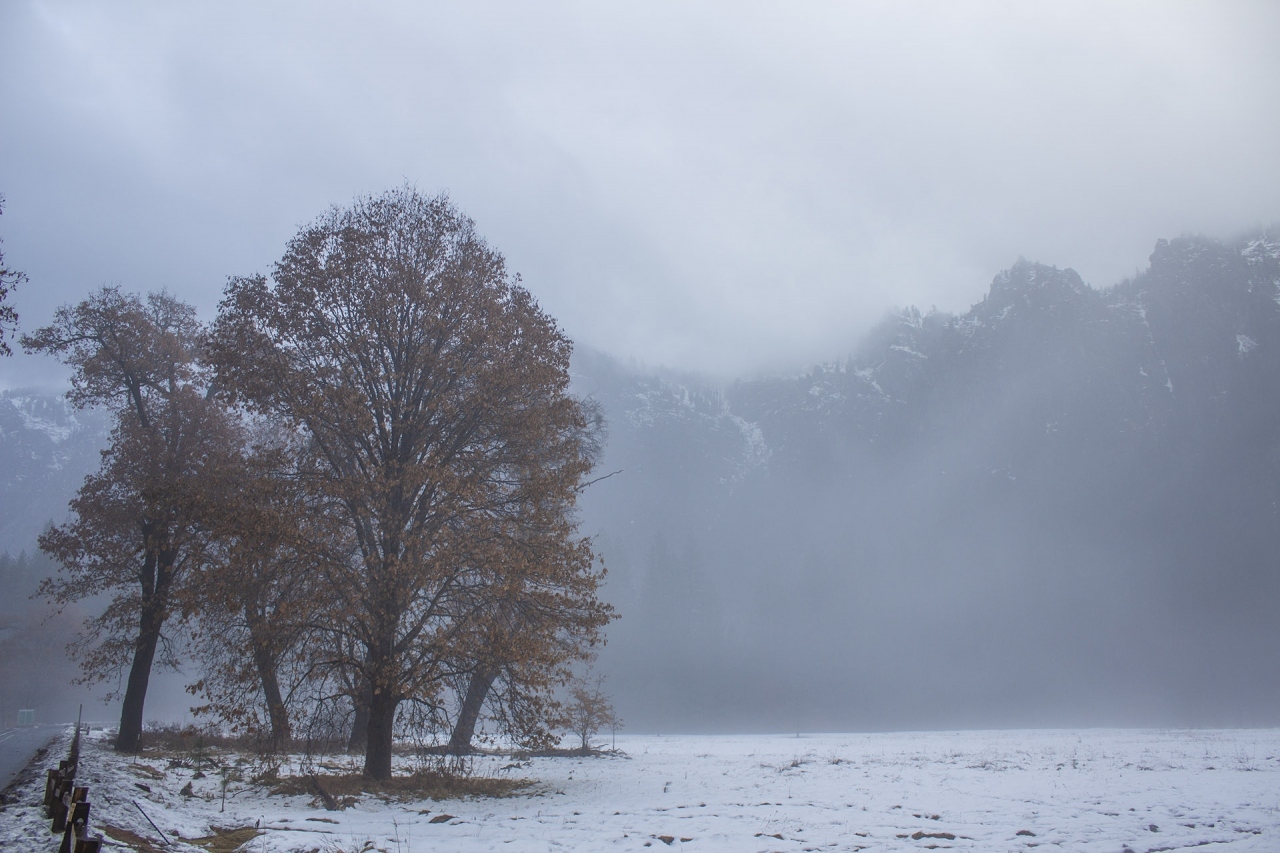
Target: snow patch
[
  {"x": 868, "y": 375},
  {"x": 967, "y": 326},
  {"x": 757, "y": 449},
  {"x": 1086, "y": 790},
  {"x": 40, "y": 415},
  {"x": 670, "y": 402},
  {"x": 1263, "y": 247}
]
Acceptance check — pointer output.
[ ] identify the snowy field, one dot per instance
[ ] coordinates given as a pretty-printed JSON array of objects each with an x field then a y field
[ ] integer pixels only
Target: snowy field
[{"x": 1087, "y": 790}]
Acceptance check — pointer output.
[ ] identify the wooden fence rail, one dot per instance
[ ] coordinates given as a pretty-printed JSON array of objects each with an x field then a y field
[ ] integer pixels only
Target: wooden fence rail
[{"x": 67, "y": 805}]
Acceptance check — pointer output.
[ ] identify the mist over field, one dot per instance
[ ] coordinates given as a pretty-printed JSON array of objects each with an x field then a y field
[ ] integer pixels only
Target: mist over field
[{"x": 937, "y": 347}]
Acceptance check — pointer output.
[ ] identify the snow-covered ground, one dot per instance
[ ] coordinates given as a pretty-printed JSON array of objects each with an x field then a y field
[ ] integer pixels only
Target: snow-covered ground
[{"x": 1087, "y": 790}]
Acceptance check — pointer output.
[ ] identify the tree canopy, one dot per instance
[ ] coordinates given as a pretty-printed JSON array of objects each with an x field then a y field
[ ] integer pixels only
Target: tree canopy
[
  {"x": 434, "y": 391},
  {"x": 144, "y": 523}
]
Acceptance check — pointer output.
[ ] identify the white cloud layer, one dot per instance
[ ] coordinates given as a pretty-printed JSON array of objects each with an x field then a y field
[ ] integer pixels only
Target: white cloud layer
[{"x": 731, "y": 187}]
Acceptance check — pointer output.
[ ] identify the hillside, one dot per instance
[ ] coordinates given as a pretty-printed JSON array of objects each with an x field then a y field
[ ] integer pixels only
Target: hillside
[{"x": 46, "y": 449}]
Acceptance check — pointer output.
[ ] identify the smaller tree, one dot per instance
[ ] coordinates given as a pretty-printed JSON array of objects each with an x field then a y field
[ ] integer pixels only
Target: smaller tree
[
  {"x": 140, "y": 526},
  {"x": 589, "y": 711},
  {"x": 9, "y": 279},
  {"x": 256, "y": 602},
  {"x": 544, "y": 619}
]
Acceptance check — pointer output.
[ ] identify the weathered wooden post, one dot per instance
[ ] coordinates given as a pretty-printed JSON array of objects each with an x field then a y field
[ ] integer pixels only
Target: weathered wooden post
[
  {"x": 52, "y": 778},
  {"x": 60, "y": 814},
  {"x": 78, "y": 824},
  {"x": 67, "y": 804},
  {"x": 56, "y": 788},
  {"x": 88, "y": 844}
]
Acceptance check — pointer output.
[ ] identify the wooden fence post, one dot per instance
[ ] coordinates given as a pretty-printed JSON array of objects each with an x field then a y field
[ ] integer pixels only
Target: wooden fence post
[
  {"x": 77, "y": 825},
  {"x": 60, "y": 806},
  {"x": 50, "y": 784},
  {"x": 67, "y": 804}
]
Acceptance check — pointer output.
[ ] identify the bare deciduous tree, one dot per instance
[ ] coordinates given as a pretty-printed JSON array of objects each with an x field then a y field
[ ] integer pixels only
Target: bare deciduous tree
[{"x": 588, "y": 710}]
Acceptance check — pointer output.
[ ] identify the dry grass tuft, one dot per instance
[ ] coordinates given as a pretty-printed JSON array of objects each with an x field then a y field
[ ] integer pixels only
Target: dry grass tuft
[
  {"x": 566, "y": 752},
  {"x": 147, "y": 770},
  {"x": 227, "y": 840},
  {"x": 172, "y": 738},
  {"x": 419, "y": 786},
  {"x": 128, "y": 838}
]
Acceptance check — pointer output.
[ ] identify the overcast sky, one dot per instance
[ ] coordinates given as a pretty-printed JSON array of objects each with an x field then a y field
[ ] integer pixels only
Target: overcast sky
[{"x": 727, "y": 187}]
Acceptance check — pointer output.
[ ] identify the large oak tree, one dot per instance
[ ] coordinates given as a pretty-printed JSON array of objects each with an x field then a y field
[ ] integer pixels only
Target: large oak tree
[{"x": 435, "y": 390}]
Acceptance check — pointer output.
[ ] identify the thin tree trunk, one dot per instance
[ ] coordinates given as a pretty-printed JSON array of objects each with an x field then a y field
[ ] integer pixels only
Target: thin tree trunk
[
  {"x": 465, "y": 727},
  {"x": 266, "y": 664},
  {"x": 360, "y": 699},
  {"x": 135, "y": 693}
]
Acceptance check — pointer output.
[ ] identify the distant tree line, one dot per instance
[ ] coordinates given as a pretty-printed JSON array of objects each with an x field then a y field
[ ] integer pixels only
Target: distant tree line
[{"x": 349, "y": 501}]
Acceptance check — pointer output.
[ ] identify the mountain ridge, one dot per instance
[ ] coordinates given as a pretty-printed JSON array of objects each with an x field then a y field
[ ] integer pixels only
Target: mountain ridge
[{"x": 1089, "y": 454}]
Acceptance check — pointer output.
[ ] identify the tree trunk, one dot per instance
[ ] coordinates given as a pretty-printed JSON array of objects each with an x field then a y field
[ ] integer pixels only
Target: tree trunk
[
  {"x": 135, "y": 693},
  {"x": 382, "y": 717},
  {"x": 276, "y": 711},
  {"x": 465, "y": 727},
  {"x": 360, "y": 699},
  {"x": 381, "y": 673}
]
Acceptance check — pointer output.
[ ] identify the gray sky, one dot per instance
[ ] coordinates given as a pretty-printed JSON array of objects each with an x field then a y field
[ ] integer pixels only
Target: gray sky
[{"x": 728, "y": 187}]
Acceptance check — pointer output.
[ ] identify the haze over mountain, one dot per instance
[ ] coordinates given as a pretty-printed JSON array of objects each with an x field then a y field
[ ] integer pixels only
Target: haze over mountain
[
  {"x": 46, "y": 449},
  {"x": 1057, "y": 508}
]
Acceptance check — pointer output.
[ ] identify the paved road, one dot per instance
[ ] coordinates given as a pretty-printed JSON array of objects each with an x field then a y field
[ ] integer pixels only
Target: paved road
[{"x": 18, "y": 745}]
